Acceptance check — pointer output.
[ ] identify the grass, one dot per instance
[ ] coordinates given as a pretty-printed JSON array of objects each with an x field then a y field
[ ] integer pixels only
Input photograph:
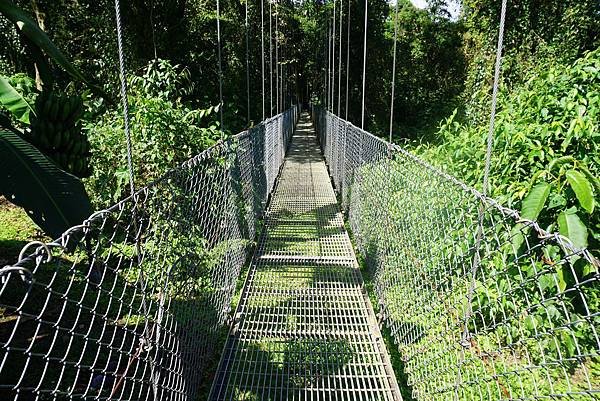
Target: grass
[
  {"x": 518, "y": 351},
  {"x": 16, "y": 230},
  {"x": 394, "y": 353}
]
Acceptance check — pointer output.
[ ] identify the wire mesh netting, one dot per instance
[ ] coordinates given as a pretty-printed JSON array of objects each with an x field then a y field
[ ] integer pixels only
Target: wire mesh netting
[
  {"x": 517, "y": 317},
  {"x": 130, "y": 305},
  {"x": 304, "y": 328}
]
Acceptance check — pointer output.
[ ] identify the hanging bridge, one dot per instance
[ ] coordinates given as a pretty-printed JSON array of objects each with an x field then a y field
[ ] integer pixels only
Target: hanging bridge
[
  {"x": 305, "y": 328},
  {"x": 234, "y": 277},
  {"x": 135, "y": 303}
]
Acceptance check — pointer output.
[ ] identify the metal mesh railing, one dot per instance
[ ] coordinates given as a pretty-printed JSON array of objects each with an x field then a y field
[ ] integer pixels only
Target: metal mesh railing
[
  {"x": 131, "y": 304},
  {"x": 531, "y": 329},
  {"x": 304, "y": 328}
]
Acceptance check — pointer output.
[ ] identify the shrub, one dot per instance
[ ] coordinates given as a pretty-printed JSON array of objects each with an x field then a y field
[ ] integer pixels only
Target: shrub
[
  {"x": 165, "y": 132},
  {"x": 546, "y": 149}
]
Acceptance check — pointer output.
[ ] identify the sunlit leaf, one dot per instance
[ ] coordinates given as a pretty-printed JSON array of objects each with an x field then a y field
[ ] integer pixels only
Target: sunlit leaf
[
  {"x": 571, "y": 226},
  {"x": 534, "y": 201},
  {"x": 582, "y": 188},
  {"x": 14, "y": 102}
]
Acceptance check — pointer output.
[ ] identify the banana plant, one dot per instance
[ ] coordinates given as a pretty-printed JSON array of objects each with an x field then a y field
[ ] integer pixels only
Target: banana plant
[
  {"x": 14, "y": 101},
  {"x": 39, "y": 44},
  {"x": 54, "y": 199},
  {"x": 42, "y": 146}
]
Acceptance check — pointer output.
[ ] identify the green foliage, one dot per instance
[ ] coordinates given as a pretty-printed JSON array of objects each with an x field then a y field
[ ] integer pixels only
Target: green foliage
[
  {"x": 536, "y": 32},
  {"x": 417, "y": 233},
  {"x": 14, "y": 101},
  {"x": 535, "y": 201},
  {"x": 165, "y": 132},
  {"x": 582, "y": 188},
  {"x": 39, "y": 42},
  {"x": 54, "y": 200},
  {"x": 547, "y": 136},
  {"x": 164, "y": 80},
  {"x": 430, "y": 69},
  {"x": 571, "y": 226}
]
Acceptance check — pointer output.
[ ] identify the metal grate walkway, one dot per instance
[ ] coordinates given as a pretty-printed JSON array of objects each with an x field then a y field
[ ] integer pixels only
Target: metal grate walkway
[{"x": 304, "y": 328}]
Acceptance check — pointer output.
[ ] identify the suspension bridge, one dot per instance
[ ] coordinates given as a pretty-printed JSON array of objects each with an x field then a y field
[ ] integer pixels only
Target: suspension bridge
[{"x": 234, "y": 277}]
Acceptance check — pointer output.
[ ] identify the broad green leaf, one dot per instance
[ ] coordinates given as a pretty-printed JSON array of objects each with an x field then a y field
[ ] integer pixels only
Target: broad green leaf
[
  {"x": 591, "y": 178},
  {"x": 14, "y": 101},
  {"x": 561, "y": 277},
  {"x": 55, "y": 200},
  {"x": 582, "y": 188},
  {"x": 32, "y": 31},
  {"x": 6, "y": 123},
  {"x": 588, "y": 268},
  {"x": 534, "y": 201},
  {"x": 571, "y": 226}
]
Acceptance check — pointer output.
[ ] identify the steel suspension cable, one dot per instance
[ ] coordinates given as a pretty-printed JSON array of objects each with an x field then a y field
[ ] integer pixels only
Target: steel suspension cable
[
  {"x": 262, "y": 52},
  {"x": 283, "y": 85},
  {"x": 340, "y": 60},
  {"x": 277, "y": 57},
  {"x": 147, "y": 332},
  {"x": 220, "y": 68},
  {"x": 333, "y": 30},
  {"x": 124, "y": 101},
  {"x": 270, "y": 58},
  {"x": 486, "y": 175},
  {"x": 283, "y": 75},
  {"x": 362, "y": 120},
  {"x": 247, "y": 67},
  {"x": 347, "y": 59},
  {"x": 325, "y": 70},
  {"x": 394, "y": 71},
  {"x": 328, "y": 63}
]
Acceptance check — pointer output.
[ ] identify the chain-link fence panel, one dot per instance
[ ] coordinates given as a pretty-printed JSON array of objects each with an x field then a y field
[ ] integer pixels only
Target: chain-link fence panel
[
  {"x": 483, "y": 304},
  {"x": 131, "y": 304}
]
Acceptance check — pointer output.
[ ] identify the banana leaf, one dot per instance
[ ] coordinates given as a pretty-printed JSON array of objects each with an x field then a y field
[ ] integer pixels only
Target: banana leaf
[
  {"x": 54, "y": 199},
  {"x": 32, "y": 31},
  {"x": 14, "y": 101}
]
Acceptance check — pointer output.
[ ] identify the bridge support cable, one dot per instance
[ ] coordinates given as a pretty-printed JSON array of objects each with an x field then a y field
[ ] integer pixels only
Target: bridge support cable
[
  {"x": 348, "y": 57},
  {"x": 486, "y": 171},
  {"x": 325, "y": 67},
  {"x": 277, "y": 72},
  {"x": 304, "y": 328},
  {"x": 328, "y": 64},
  {"x": 393, "y": 73},
  {"x": 148, "y": 330},
  {"x": 262, "y": 52},
  {"x": 219, "y": 45},
  {"x": 476, "y": 261},
  {"x": 339, "y": 98},
  {"x": 247, "y": 28},
  {"x": 270, "y": 58},
  {"x": 333, "y": 60},
  {"x": 364, "y": 77}
]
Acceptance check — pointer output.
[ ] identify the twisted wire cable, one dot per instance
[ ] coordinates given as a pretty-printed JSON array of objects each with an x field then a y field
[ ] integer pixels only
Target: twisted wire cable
[
  {"x": 486, "y": 175},
  {"x": 144, "y": 339},
  {"x": 339, "y": 100},
  {"x": 124, "y": 101},
  {"x": 347, "y": 59},
  {"x": 220, "y": 68},
  {"x": 394, "y": 71},
  {"x": 247, "y": 66},
  {"x": 364, "y": 77},
  {"x": 262, "y": 52}
]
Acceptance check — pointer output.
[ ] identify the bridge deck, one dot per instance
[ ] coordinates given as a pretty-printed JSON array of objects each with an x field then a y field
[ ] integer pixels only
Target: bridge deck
[{"x": 304, "y": 327}]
